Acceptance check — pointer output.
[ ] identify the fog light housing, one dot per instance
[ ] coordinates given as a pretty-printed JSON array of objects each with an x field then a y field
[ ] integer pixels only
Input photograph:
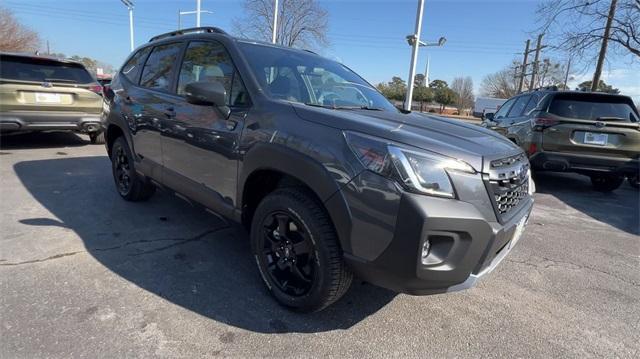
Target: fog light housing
[{"x": 426, "y": 247}]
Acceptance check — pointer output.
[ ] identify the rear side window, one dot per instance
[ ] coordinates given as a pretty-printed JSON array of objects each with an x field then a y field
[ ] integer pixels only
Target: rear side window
[
  {"x": 535, "y": 99},
  {"x": 600, "y": 108},
  {"x": 518, "y": 107},
  {"x": 504, "y": 109},
  {"x": 156, "y": 73},
  {"x": 131, "y": 70},
  {"x": 43, "y": 70}
]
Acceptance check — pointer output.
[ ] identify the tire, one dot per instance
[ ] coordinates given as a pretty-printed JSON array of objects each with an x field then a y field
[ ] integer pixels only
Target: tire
[
  {"x": 301, "y": 262},
  {"x": 606, "y": 182},
  {"x": 97, "y": 138},
  {"x": 634, "y": 182},
  {"x": 130, "y": 185}
]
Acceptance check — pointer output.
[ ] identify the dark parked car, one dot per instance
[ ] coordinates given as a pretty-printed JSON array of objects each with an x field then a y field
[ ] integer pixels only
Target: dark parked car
[
  {"x": 327, "y": 175},
  {"x": 594, "y": 134},
  {"x": 42, "y": 93}
]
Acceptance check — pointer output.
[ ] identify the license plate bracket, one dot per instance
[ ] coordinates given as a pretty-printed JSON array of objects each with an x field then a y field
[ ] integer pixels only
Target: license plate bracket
[
  {"x": 600, "y": 139},
  {"x": 48, "y": 97}
]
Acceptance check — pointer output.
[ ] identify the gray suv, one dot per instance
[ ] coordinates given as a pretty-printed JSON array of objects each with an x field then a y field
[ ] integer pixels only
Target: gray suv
[{"x": 328, "y": 177}]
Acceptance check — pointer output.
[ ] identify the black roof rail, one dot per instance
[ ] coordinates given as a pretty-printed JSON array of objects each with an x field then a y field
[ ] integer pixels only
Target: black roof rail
[
  {"x": 546, "y": 88},
  {"x": 208, "y": 29}
]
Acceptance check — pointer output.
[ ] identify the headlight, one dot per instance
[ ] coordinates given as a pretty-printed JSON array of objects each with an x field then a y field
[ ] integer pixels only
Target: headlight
[{"x": 416, "y": 170}]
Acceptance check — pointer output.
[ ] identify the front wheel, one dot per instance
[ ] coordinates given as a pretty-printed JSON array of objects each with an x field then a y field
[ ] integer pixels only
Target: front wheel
[
  {"x": 297, "y": 251},
  {"x": 130, "y": 185},
  {"x": 606, "y": 182}
]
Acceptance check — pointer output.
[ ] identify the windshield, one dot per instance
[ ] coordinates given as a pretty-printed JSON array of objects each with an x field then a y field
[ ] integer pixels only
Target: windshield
[
  {"x": 42, "y": 70},
  {"x": 310, "y": 79},
  {"x": 596, "y": 109}
]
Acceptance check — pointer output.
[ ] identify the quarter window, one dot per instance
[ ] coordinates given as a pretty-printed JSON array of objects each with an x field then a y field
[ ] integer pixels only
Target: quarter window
[
  {"x": 209, "y": 62},
  {"x": 157, "y": 70}
]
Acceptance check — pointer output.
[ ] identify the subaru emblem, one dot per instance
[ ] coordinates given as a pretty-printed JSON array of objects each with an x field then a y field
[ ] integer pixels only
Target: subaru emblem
[{"x": 600, "y": 124}]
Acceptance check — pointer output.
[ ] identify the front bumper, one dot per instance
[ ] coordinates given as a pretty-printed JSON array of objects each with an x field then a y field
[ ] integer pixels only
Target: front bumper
[
  {"x": 50, "y": 120},
  {"x": 556, "y": 161},
  {"x": 464, "y": 246}
]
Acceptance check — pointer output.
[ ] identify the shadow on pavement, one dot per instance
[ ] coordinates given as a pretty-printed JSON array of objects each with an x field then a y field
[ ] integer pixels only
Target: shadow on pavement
[
  {"x": 41, "y": 140},
  {"x": 182, "y": 254},
  {"x": 620, "y": 208}
]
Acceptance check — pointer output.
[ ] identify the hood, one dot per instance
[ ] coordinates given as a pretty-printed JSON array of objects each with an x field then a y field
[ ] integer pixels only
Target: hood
[{"x": 453, "y": 138}]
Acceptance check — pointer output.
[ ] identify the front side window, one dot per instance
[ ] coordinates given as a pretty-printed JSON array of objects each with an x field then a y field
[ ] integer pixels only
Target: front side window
[
  {"x": 156, "y": 73},
  {"x": 210, "y": 62},
  {"x": 302, "y": 77},
  {"x": 131, "y": 70}
]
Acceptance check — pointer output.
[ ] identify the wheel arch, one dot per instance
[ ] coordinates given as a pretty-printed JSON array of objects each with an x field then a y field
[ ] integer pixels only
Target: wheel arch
[{"x": 267, "y": 167}]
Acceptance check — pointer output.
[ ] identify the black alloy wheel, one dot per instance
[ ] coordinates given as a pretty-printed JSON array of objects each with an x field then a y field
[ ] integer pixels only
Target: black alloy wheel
[{"x": 288, "y": 252}]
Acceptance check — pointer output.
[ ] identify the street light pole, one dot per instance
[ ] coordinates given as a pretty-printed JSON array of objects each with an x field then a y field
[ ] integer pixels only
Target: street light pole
[
  {"x": 197, "y": 13},
  {"x": 129, "y": 5},
  {"x": 275, "y": 22},
  {"x": 414, "y": 56}
]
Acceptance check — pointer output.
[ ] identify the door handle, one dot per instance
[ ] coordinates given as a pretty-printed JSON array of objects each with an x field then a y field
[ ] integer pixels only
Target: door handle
[
  {"x": 231, "y": 125},
  {"x": 170, "y": 112}
]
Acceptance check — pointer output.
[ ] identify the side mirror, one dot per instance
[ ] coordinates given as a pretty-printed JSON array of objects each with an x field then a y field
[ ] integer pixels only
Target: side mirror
[{"x": 208, "y": 93}]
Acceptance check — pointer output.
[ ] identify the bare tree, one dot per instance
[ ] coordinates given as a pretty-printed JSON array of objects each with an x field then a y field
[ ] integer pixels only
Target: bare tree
[
  {"x": 501, "y": 84},
  {"x": 15, "y": 36},
  {"x": 578, "y": 26},
  {"x": 464, "y": 88},
  {"x": 301, "y": 23}
]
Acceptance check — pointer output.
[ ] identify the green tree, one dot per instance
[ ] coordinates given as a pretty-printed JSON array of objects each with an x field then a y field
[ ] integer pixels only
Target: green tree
[
  {"x": 394, "y": 89},
  {"x": 602, "y": 87},
  {"x": 445, "y": 96},
  {"x": 438, "y": 84},
  {"x": 423, "y": 95}
]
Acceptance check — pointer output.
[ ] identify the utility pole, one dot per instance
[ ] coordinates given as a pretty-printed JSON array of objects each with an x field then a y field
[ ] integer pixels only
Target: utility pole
[
  {"x": 274, "y": 33},
  {"x": 566, "y": 76},
  {"x": 603, "y": 49},
  {"x": 48, "y": 48},
  {"x": 524, "y": 66},
  {"x": 414, "y": 56},
  {"x": 536, "y": 65},
  {"x": 179, "y": 20},
  {"x": 129, "y": 5},
  {"x": 198, "y": 11}
]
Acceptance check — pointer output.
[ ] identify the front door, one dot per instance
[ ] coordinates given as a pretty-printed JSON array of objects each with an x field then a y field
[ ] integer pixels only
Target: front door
[{"x": 200, "y": 142}]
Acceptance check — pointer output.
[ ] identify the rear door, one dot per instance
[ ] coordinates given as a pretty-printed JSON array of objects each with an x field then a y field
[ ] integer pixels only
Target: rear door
[
  {"x": 592, "y": 124},
  {"x": 501, "y": 122},
  {"x": 41, "y": 84},
  {"x": 151, "y": 102}
]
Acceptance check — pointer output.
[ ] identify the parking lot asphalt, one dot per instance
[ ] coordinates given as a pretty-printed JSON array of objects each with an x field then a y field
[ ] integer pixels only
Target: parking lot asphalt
[{"x": 86, "y": 274}]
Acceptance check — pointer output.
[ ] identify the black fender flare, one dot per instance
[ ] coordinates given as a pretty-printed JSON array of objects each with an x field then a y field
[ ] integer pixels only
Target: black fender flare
[{"x": 276, "y": 157}]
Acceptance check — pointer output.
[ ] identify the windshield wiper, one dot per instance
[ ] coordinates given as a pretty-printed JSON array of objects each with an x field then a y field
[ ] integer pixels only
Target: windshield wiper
[
  {"x": 344, "y": 107},
  {"x": 319, "y": 105},
  {"x": 61, "y": 80},
  {"x": 611, "y": 118}
]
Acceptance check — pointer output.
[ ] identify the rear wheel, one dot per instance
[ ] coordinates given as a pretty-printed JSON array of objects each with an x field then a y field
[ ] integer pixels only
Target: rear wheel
[
  {"x": 297, "y": 251},
  {"x": 130, "y": 185},
  {"x": 96, "y": 138},
  {"x": 606, "y": 182}
]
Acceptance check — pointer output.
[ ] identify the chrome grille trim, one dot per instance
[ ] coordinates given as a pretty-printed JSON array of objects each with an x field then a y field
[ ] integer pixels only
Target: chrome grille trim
[{"x": 509, "y": 182}]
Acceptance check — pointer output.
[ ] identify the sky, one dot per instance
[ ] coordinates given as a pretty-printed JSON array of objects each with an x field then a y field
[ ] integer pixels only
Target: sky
[{"x": 367, "y": 36}]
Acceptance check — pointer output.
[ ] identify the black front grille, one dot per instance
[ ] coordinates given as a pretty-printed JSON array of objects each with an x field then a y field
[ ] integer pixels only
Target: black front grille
[{"x": 509, "y": 183}]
